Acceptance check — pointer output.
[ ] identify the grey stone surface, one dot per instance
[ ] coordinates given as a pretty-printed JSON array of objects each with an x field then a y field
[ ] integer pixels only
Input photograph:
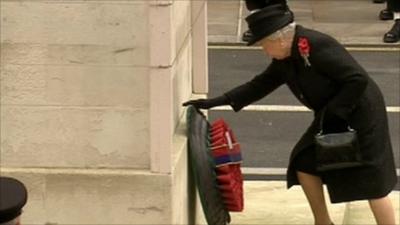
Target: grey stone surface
[{"x": 223, "y": 17}]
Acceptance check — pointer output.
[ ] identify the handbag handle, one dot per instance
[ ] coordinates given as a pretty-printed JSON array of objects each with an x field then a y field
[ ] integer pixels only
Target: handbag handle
[{"x": 321, "y": 125}]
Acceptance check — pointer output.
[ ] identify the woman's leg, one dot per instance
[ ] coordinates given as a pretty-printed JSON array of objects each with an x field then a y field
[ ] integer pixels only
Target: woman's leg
[
  {"x": 383, "y": 211},
  {"x": 313, "y": 189}
]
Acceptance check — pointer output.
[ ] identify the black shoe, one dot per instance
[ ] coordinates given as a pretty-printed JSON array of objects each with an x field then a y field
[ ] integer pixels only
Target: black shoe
[
  {"x": 247, "y": 36},
  {"x": 386, "y": 14},
  {"x": 378, "y": 1},
  {"x": 393, "y": 35}
]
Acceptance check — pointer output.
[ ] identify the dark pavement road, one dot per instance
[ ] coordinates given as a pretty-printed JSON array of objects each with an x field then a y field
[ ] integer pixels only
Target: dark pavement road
[
  {"x": 229, "y": 68},
  {"x": 267, "y": 138}
]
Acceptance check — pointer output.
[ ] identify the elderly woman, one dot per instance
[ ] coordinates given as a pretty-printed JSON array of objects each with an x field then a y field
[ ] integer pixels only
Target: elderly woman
[{"x": 325, "y": 78}]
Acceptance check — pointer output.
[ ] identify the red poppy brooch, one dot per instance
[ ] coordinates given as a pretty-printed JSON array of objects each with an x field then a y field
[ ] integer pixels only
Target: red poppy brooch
[{"x": 304, "y": 49}]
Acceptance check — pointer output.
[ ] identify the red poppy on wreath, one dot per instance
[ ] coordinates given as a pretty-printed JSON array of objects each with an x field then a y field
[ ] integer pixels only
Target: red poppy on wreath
[{"x": 304, "y": 49}]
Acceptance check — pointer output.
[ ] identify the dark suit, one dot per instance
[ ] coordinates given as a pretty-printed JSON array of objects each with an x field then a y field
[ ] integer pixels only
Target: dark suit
[
  {"x": 393, "y": 5},
  {"x": 334, "y": 81}
]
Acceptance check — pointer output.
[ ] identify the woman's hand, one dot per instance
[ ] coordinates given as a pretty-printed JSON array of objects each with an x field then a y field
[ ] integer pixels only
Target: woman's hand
[
  {"x": 199, "y": 103},
  {"x": 208, "y": 103}
]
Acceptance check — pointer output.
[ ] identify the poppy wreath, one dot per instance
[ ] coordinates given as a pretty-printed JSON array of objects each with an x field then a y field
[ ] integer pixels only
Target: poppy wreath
[
  {"x": 227, "y": 157},
  {"x": 202, "y": 165}
]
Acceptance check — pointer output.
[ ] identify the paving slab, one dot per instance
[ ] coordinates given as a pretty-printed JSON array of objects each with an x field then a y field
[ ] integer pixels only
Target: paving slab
[
  {"x": 223, "y": 20},
  {"x": 269, "y": 202},
  {"x": 359, "y": 213}
]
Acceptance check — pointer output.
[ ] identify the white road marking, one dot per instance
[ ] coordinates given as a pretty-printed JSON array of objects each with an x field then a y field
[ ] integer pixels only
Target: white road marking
[
  {"x": 265, "y": 171},
  {"x": 390, "y": 48},
  {"x": 285, "y": 108}
]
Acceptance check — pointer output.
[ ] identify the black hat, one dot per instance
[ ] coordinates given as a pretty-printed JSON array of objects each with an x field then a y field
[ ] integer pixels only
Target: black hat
[
  {"x": 13, "y": 196},
  {"x": 268, "y": 20},
  {"x": 259, "y": 4}
]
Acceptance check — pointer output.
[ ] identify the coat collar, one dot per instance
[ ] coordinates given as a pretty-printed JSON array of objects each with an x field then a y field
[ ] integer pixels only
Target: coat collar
[
  {"x": 294, "y": 51},
  {"x": 295, "y": 54}
]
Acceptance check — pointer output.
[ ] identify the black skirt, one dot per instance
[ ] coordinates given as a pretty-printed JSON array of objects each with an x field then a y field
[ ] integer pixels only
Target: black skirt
[{"x": 305, "y": 162}]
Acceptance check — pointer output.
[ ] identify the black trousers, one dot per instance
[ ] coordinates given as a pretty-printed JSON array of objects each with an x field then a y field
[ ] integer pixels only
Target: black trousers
[
  {"x": 259, "y": 4},
  {"x": 393, "y": 5}
]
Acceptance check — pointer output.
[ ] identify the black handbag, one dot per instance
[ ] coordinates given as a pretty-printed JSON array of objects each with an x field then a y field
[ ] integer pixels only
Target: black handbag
[{"x": 337, "y": 150}]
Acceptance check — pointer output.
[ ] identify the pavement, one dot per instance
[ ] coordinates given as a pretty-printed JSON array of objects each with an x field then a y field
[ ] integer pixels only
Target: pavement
[
  {"x": 351, "y": 22},
  {"x": 270, "y": 203}
]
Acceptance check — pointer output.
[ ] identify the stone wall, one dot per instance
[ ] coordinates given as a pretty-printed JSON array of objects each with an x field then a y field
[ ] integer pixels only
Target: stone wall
[
  {"x": 91, "y": 116},
  {"x": 74, "y": 84}
]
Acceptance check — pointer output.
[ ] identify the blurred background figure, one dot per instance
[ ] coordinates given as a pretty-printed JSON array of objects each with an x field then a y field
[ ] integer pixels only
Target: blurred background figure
[
  {"x": 378, "y": 1},
  {"x": 252, "y": 5},
  {"x": 392, "y": 11},
  {"x": 13, "y": 197}
]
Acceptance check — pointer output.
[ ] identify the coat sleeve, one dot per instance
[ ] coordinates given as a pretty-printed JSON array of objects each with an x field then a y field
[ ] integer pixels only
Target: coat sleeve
[
  {"x": 257, "y": 88},
  {"x": 331, "y": 59}
]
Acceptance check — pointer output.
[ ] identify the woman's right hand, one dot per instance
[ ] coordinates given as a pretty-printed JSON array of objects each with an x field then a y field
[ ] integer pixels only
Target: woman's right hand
[
  {"x": 208, "y": 103},
  {"x": 199, "y": 103}
]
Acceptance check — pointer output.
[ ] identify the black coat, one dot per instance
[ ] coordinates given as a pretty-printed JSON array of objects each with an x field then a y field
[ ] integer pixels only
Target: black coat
[
  {"x": 337, "y": 83},
  {"x": 393, "y": 5}
]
